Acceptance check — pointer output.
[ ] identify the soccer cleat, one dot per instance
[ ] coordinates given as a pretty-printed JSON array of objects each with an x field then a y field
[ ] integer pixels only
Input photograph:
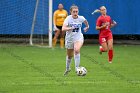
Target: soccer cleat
[
  {"x": 110, "y": 62},
  {"x": 100, "y": 48},
  {"x": 66, "y": 72}
]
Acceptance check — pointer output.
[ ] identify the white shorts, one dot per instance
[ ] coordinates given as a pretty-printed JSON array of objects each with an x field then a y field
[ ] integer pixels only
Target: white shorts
[{"x": 69, "y": 44}]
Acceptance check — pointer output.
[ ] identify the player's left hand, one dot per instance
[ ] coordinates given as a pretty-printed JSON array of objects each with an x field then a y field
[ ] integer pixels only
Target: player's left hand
[
  {"x": 86, "y": 29},
  {"x": 114, "y": 22}
]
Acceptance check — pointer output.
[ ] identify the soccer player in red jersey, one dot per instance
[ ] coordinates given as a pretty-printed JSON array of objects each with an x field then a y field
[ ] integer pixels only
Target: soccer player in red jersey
[{"x": 103, "y": 24}]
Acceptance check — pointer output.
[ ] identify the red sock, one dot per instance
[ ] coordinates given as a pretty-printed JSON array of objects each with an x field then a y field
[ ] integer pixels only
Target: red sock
[{"x": 110, "y": 55}]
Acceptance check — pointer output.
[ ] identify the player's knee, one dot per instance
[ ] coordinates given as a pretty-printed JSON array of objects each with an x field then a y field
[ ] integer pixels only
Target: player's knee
[
  {"x": 62, "y": 35},
  {"x": 76, "y": 51},
  {"x": 56, "y": 35},
  {"x": 110, "y": 47}
]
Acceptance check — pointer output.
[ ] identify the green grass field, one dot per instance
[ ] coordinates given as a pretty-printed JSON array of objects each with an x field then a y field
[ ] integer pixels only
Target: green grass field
[{"x": 26, "y": 69}]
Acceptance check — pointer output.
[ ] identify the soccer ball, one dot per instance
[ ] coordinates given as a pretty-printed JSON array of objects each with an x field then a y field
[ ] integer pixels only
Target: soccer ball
[{"x": 81, "y": 71}]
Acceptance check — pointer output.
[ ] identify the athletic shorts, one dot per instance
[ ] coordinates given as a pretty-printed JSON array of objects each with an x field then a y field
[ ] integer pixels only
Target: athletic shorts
[
  {"x": 103, "y": 39},
  {"x": 59, "y": 27},
  {"x": 69, "y": 44}
]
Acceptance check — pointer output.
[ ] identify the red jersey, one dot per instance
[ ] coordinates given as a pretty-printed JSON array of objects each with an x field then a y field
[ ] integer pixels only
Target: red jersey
[{"x": 101, "y": 21}]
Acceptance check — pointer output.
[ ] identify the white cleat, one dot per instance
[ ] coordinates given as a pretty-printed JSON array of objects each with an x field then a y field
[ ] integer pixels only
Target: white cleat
[
  {"x": 110, "y": 62},
  {"x": 66, "y": 72}
]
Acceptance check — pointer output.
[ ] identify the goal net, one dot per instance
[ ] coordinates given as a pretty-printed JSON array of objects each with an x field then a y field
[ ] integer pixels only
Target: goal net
[{"x": 26, "y": 21}]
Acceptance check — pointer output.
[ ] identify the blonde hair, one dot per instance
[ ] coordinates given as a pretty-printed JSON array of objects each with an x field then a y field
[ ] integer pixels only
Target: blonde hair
[
  {"x": 73, "y": 7},
  {"x": 98, "y": 10},
  {"x": 102, "y": 7}
]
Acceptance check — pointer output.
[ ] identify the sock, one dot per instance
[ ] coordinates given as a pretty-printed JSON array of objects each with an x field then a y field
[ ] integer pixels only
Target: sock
[
  {"x": 62, "y": 42},
  {"x": 68, "y": 61},
  {"x": 101, "y": 49},
  {"x": 77, "y": 60},
  {"x": 54, "y": 42},
  {"x": 110, "y": 55}
]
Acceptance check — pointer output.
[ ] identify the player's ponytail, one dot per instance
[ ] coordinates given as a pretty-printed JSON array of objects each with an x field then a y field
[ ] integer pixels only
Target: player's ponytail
[{"x": 96, "y": 11}]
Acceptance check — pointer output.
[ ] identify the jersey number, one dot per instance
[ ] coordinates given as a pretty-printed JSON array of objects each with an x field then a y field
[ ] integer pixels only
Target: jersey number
[{"x": 75, "y": 30}]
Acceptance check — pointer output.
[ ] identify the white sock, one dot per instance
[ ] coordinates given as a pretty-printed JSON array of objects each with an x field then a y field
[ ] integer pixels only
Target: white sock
[
  {"x": 77, "y": 60},
  {"x": 68, "y": 61}
]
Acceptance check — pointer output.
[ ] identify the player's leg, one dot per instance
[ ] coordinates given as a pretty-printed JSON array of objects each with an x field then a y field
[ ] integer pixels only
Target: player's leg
[
  {"x": 110, "y": 48},
  {"x": 70, "y": 51},
  {"x": 77, "y": 47},
  {"x": 68, "y": 60},
  {"x": 103, "y": 47},
  {"x": 103, "y": 43},
  {"x": 57, "y": 32},
  {"x": 62, "y": 35}
]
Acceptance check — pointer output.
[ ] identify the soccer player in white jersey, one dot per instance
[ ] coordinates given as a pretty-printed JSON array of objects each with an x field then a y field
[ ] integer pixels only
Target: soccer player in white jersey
[{"x": 74, "y": 37}]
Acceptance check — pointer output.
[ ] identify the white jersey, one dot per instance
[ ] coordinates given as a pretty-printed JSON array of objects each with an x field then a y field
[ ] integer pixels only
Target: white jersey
[{"x": 76, "y": 34}]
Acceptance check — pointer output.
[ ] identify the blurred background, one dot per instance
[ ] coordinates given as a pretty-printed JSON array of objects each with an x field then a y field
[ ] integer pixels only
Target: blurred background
[{"x": 16, "y": 19}]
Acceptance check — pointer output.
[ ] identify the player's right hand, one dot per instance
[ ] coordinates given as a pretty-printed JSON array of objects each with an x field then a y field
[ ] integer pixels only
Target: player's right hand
[
  {"x": 86, "y": 29},
  {"x": 104, "y": 25}
]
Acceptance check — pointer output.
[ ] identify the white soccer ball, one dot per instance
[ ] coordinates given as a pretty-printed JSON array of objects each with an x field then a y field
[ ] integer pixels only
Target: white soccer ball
[{"x": 81, "y": 71}]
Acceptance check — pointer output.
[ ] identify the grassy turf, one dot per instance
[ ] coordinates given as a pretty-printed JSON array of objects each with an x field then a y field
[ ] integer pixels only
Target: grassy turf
[{"x": 25, "y": 69}]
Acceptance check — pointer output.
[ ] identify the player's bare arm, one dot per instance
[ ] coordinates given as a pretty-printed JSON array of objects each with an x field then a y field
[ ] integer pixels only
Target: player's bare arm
[
  {"x": 54, "y": 21},
  {"x": 87, "y": 26},
  {"x": 54, "y": 18},
  {"x": 113, "y": 24},
  {"x": 101, "y": 27}
]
